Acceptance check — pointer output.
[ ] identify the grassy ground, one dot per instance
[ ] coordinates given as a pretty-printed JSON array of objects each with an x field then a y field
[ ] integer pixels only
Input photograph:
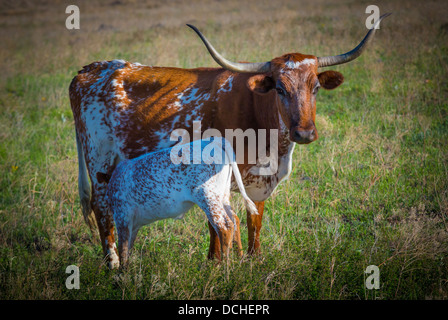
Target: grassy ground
[{"x": 373, "y": 190}]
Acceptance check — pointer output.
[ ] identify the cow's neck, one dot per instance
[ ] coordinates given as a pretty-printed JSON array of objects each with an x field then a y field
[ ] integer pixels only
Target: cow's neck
[
  {"x": 268, "y": 117},
  {"x": 265, "y": 113},
  {"x": 244, "y": 110}
]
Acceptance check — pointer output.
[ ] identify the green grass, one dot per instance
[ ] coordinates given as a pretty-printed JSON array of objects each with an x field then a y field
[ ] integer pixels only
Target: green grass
[{"x": 372, "y": 190}]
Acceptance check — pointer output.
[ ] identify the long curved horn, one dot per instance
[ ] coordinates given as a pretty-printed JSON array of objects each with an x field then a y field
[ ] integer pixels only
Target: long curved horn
[
  {"x": 258, "y": 67},
  {"x": 355, "y": 53}
]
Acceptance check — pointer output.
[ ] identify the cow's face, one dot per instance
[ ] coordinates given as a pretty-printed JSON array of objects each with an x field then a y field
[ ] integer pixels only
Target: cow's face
[
  {"x": 295, "y": 78},
  {"x": 296, "y": 81}
]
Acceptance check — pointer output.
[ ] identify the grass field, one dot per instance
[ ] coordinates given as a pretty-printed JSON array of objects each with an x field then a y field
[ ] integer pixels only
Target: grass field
[{"x": 372, "y": 190}]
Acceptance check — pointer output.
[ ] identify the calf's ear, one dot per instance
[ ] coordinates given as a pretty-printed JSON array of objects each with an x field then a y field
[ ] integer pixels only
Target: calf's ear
[
  {"x": 260, "y": 83},
  {"x": 330, "y": 79}
]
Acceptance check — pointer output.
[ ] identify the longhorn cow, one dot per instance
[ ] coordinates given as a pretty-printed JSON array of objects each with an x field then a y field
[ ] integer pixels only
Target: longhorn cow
[{"x": 123, "y": 110}]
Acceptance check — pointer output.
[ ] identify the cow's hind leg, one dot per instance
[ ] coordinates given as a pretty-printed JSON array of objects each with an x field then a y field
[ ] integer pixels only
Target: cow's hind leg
[{"x": 105, "y": 224}]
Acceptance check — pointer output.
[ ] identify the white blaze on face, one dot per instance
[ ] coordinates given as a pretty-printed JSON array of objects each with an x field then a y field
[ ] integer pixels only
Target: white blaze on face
[{"x": 296, "y": 64}]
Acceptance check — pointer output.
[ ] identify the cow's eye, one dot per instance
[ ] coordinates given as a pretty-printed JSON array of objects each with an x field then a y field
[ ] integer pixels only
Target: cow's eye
[
  {"x": 280, "y": 91},
  {"x": 316, "y": 88}
]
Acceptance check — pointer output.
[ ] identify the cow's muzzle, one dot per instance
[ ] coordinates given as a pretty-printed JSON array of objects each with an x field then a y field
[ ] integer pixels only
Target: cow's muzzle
[{"x": 304, "y": 136}]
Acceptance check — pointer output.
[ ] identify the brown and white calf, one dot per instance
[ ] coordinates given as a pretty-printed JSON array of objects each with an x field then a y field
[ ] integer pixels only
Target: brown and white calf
[
  {"x": 123, "y": 110},
  {"x": 152, "y": 187}
]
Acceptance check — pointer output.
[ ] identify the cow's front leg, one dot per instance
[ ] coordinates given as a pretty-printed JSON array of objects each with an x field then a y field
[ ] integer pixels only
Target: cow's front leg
[
  {"x": 105, "y": 222},
  {"x": 253, "y": 227},
  {"x": 237, "y": 237}
]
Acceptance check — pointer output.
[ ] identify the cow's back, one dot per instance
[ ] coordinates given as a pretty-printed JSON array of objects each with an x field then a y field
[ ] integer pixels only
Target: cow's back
[{"x": 138, "y": 106}]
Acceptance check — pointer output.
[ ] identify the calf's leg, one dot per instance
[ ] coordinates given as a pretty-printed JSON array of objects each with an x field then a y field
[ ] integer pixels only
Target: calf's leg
[
  {"x": 225, "y": 230},
  {"x": 236, "y": 235},
  {"x": 215, "y": 245},
  {"x": 126, "y": 239},
  {"x": 214, "y": 250},
  {"x": 127, "y": 232},
  {"x": 221, "y": 224}
]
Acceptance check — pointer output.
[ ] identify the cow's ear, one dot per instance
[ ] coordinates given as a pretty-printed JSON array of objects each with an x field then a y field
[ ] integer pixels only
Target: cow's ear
[
  {"x": 330, "y": 79},
  {"x": 260, "y": 83}
]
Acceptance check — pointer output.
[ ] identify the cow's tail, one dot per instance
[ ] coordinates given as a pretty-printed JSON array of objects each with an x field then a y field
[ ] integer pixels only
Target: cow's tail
[
  {"x": 84, "y": 187},
  {"x": 250, "y": 205}
]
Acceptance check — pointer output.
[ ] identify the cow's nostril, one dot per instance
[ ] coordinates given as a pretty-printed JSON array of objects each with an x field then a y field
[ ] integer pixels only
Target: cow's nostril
[{"x": 312, "y": 135}]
